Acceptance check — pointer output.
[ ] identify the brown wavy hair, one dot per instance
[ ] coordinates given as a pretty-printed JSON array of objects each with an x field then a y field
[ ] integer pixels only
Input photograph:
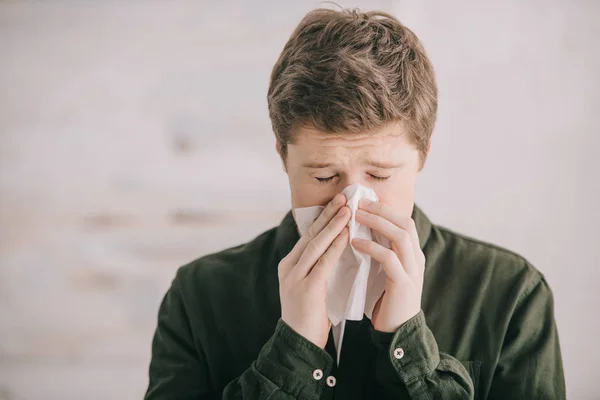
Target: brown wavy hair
[{"x": 349, "y": 71}]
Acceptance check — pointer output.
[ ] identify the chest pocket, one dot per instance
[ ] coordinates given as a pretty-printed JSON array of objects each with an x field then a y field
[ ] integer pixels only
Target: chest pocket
[{"x": 474, "y": 369}]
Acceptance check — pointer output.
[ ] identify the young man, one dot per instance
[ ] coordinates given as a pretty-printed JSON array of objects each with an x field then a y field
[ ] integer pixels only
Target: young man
[{"x": 353, "y": 100}]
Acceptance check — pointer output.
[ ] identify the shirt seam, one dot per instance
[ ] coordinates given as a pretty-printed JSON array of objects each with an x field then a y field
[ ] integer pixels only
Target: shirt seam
[
  {"x": 487, "y": 244},
  {"x": 529, "y": 289}
]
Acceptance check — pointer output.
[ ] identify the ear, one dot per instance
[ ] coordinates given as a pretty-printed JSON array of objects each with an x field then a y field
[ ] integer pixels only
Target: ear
[{"x": 429, "y": 145}]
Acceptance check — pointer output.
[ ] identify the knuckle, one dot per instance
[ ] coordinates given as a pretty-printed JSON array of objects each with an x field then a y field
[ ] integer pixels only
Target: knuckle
[
  {"x": 312, "y": 246},
  {"x": 389, "y": 256},
  {"x": 285, "y": 261},
  {"x": 312, "y": 231},
  {"x": 404, "y": 237},
  {"x": 281, "y": 270},
  {"x": 322, "y": 261},
  {"x": 303, "y": 242},
  {"x": 281, "y": 265}
]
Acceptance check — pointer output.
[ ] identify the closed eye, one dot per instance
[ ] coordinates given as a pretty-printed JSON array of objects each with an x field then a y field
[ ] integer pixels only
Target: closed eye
[
  {"x": 330, "y": 178},
  {"x": 379, "y": 178},
  {"x": 325, "y": 180}
]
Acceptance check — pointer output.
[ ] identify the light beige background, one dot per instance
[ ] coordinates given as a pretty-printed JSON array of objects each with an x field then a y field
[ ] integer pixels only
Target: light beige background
[{"x": 134, "y": 137}]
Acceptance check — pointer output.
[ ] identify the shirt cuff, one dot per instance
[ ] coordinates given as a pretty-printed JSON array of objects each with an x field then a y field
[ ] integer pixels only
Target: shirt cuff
[
  {"x": 407, "y": 354},
  {"x": 294, "y": 363}
]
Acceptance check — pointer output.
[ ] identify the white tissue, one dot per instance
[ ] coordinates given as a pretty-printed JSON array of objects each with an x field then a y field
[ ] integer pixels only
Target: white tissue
[{"x": 357, "y": 281}]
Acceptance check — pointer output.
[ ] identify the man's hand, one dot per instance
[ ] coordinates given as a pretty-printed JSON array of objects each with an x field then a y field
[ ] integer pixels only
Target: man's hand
[
  {"x": 304, "y": 272},
  {"x": 404, "y": 264}
]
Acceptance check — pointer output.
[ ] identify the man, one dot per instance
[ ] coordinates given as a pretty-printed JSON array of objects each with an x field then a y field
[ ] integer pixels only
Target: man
[{"x": 353, "y": 100}]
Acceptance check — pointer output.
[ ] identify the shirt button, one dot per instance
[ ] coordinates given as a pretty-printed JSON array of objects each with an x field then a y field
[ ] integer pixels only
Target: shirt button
[
  {"x": 317, "y": 374},
  {"x": 398, "y": 353},
  {"x": 331, "y": 381}
]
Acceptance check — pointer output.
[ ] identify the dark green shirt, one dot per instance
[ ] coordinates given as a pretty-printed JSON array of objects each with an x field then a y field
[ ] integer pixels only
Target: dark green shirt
[{"x": 486, "y": 331}]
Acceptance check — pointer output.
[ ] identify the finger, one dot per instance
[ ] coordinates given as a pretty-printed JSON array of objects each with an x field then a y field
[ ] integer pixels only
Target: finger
[
  {"x": 326, "y": 215},
  {"x": 406, "y": 223},
  {"x": 386, "y": 257},
  {"x": 324, "y": 266},
  {"x": 398, "y": 237},
  {"x": 319, "y": 244}
]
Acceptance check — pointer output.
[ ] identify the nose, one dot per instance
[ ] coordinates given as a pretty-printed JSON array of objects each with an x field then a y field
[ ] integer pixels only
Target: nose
[{"x": 347, "y": 180}]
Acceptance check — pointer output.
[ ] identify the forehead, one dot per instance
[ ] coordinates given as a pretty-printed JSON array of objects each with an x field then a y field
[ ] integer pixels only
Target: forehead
[{"x": 389, "y": 141}]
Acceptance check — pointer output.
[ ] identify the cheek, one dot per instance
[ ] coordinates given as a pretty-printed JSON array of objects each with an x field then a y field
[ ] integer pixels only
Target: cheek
[
  {"x": 399, "y": 195},
  {"x": 308, "y": 195}
]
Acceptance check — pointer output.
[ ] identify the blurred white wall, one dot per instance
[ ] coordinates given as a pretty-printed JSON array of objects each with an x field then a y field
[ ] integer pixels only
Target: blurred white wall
[{"x": 134, "y": 137}]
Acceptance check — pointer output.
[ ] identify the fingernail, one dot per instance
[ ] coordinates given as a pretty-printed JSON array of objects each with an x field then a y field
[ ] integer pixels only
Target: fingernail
[{"x": 361, "y": 213}]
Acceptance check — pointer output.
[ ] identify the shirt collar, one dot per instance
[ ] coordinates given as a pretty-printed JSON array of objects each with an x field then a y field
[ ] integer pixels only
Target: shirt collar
[{"x": 287, "y": 232}]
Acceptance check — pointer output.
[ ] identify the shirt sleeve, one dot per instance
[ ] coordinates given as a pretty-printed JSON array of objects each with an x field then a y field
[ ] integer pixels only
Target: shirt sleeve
[
  {"x": 530, "y": 364},
  {"x": 294, "y": 365},
  {"x": 409, "y": 363},
  {"x": 288, "y": 366}
]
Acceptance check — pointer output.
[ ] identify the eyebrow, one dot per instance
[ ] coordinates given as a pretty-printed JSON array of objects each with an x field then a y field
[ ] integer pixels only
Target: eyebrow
[
  {"x": 377, "y": 164},
  {"x": 316, "y": 164}
]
